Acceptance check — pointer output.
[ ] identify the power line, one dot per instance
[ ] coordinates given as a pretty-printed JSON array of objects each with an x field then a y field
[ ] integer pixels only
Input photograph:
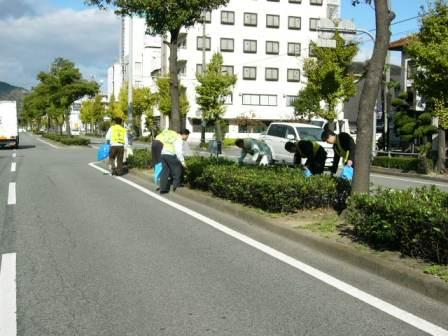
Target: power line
[{"x": 403, "y": 20}]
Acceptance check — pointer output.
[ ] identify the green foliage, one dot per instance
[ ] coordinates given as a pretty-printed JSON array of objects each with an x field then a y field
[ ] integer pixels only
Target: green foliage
[
  {"x": 403, "y": 163},
  {"x": 92, "y": 111},
  {"x": 228, "y": 142},
  {"x": 329, "y": 80},
  {"x": 69, "y": 140},
  {"x": 440, "y": 271},
  {"x": 141, "y": 158},
  {"x": 164, "y": 97},
  {"x": 273, "y": 189},
  {"x": 415, "y": 222}
]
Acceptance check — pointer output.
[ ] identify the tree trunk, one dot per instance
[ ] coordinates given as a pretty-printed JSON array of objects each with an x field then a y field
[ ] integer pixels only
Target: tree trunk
[
  {"x": 441, "y": 156},
  {"x": 174, "y": 83},
  {"x": 368, "y": 97},
  {"x": 67, "y": 124}
]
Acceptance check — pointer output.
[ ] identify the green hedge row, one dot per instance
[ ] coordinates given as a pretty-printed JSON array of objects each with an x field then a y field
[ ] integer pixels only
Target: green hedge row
[
  {"x": 403, "y": 163},
  {"x": 273, "y": 189},
  {"x": 67, "y": 140},
  {"x": 141, "y": 158},
  {"x": 415, "y": 222}
]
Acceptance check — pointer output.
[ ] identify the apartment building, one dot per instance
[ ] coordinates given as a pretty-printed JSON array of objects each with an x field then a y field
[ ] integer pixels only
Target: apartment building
[{"x": 263, "y": 42}]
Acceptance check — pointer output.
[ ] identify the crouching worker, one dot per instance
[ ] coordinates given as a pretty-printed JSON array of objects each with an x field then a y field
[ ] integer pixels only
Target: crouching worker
[
  {"x": 260, "y": 152},
  {"x": 343, "y": 146},
  {"x": 172, "y": 158},
  {"x": 314, "y": 154}
]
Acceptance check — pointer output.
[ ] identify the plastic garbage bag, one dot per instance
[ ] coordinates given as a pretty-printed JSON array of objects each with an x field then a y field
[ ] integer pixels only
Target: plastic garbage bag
[
  {"x": 103, "y": 152},
  {"x": 347, "y": 173},
  {"x": 157, "y": 172},
  {"x": 307, "y": 172}
]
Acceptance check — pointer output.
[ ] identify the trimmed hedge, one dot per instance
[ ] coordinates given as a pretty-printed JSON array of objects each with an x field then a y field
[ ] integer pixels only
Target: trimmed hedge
[
  {"x": 403, "y": 163},
  {"x": 273, "y": 189},
  {"x": 414, "y": 222},
  {"x": 141, "y": 158},
  {"x": 67, "y": 139}
]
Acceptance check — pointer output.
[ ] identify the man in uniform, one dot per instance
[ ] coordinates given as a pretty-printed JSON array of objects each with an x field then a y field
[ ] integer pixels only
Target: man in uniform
[
  {"x": 314, "y": 154},
  {"x": 261, "y": 153},
  {"x": 117, "y": 137},
  {"x": 343, "y": 146}
]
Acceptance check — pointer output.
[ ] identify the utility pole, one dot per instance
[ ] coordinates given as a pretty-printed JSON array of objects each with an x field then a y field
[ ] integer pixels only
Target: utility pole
[
  {"x": 387, "y": 96},
  {"x": 203, "y": 121},
  {"x": 130, "y": 73}
]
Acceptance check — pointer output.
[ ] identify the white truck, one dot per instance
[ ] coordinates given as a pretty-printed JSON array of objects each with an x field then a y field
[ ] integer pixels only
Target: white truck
[{"x": 9, "y": 135}]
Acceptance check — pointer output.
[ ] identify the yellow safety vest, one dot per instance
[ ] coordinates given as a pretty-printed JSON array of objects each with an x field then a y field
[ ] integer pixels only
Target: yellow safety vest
[
  {"x": 341, "y": 151},
  {"x": 118, "y": 134},
  {"x": 316, "y": 147},
  {"x": 168, "y": 137}
]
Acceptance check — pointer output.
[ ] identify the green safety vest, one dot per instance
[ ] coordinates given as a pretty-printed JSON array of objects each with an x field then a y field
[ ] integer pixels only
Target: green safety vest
[
  {"x": 341, "y": 151},
  {"x": 168, "y": 137},
  {"x": 118, "y": 134}
]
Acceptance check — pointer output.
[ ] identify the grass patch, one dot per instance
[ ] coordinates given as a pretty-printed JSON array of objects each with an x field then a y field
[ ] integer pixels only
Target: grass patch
[
  {"x": 326, "y": 225},
  {"x": 440, "y": 271}
]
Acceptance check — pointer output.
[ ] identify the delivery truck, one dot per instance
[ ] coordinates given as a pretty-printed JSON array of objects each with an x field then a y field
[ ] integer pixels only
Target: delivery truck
[{"x": 9, "y": 135}]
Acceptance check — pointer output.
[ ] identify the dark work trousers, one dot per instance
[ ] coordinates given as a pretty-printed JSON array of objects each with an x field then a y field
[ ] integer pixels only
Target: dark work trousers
[
  {"x": 116, "y": 152},
  {"x": 171, "y": 167}
]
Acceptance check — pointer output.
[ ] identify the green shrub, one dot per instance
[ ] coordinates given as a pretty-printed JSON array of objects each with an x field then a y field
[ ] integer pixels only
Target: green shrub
[
  {"x": 67, "y": 140},
  {"x": 228, "y": 142},
  {"x": 197, "y": 164},
  {"x": 141, "y": 158},
  {"x": 403, "y": 163},
  {"x": 415, "y": 222}
]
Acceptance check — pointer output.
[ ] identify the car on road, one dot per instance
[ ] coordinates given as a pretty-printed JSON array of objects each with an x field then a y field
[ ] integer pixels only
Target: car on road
[{"x": 279, "y": 133}]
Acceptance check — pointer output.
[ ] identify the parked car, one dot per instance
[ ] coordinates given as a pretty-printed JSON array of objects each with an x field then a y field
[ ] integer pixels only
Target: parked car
[{"x": 279, "y": 133}]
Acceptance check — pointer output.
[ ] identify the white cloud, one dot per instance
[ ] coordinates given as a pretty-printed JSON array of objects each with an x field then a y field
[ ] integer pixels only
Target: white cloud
[
  {"x": 29, "y": 44},
  {"x": 15, "y": 9}
]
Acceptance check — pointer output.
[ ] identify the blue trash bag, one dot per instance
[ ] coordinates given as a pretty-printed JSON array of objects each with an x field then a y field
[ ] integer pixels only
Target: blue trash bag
[
  {"x": 347, "y": 173},
  {"x": 307, "y": 172},
  {"x": 103, "y": 152},
  {"x": 157, "y": 172}
]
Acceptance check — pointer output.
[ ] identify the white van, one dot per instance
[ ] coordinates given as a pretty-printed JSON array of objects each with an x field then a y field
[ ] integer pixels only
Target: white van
[
  {"x": 279, "y": 133},
  {"x": 9, "y": 135}
]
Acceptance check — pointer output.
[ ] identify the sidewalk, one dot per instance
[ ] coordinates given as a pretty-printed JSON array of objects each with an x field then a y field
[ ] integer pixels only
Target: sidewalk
[{"x": 392, "y": 269}]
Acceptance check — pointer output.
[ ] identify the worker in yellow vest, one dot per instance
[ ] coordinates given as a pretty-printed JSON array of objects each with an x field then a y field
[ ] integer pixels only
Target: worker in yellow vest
[
  {"x": 314, "y": 154},
  {"x": 172, "y": 158},
  {"x": 343, "y": 146},
  {"x": 117, "y": 137}
]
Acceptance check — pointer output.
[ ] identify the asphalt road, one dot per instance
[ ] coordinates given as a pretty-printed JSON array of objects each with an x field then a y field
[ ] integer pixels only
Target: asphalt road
[{"x": 98, "y": 256}]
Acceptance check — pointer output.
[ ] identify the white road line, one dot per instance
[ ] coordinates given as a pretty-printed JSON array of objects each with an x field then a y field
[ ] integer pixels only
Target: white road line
[
  {"x": 13, "y": 167},
  {"x": 371, "y": 300},
  {"x": 8, "y": 304},
  {"x": 49, "y": 144},
  {"x": 429, "y": 182},
  {"x": 14, "y": 154},
  {"x": 12, "y": 193}
]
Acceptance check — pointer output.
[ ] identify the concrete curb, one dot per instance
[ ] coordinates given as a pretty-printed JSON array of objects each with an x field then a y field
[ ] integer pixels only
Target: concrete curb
[
  {"x": 399, "y": 274},
  {"x": 397, "y": 172}
]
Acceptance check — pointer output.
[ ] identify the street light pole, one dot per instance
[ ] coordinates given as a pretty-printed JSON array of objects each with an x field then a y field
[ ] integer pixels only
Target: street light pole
[
  {"x": 130, "y": 72},
  {"x": 203, "y": 122}
]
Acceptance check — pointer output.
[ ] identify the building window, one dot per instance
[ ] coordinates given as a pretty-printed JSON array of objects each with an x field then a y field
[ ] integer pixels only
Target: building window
[
  {"x": 290, "y": 100},
  {"x": 228, "y": 100},
  {"x": 200, "y": 40},
  {"x": 293, "y": 75},
  {"x": 272, "y": 21},
  {"x": 227, "y": 44},
  {"x": 250, "y": 73},
  {"x": 227, "y": 17},
  {"x": 250, "y": 46},
  {"x": 311, "y": 52},
  {"x": 227, "y": 69},
  {"x": 250, "y": 19},
  {"x": 271, "y": 74},
  {"x": 332, "y": 11},
  {"x": 294, "y": 49},
  {"x": 410, "y": 69},
  {"x": 316, "y": 2},
  {"x": 314, "y": 23},
  {"x": 207, "y": 16},
  {"x": 294, "y": 22},
  {"x": 258, "y": 99},
  {"x": 272, "y": 47},
  {"x": 295, "y": 1}
]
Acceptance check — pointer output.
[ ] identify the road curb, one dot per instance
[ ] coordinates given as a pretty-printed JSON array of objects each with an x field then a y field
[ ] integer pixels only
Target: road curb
[
  {"x": 399, "y": 274},
  {"x": 397, "y": 172}
]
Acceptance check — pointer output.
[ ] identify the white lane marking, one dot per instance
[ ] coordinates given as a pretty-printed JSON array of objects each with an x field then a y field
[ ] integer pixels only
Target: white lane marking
[
  {"x": 12, "y": 193},
  {"x": 371, "y": 300},
  {"x": 13, "y": 167},
  {"x": 49, "y": 144},
  {"x": 8, "y": 304},
  {"x": 14, "y": 154},
  {"x": 429, "y": 182}
]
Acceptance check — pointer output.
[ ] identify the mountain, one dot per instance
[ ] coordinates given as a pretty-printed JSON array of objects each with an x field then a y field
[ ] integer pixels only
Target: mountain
[{"x": 10, "y": 92}]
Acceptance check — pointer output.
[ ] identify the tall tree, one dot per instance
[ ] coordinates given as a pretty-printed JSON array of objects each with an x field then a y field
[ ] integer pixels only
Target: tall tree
[
  {"x": 329, "y": 80},
  {"x": 214, "y": 86},
  {"x": 144, "y": 102},
  {"x": 428, "y": 50},
  {"x": 165, "y": 100},
  {"x": 369, "y": 93},
  {"x": 65, "y": 85},
  {"x": 92, "y": 112},
  {"x": 163, "y": 17}
]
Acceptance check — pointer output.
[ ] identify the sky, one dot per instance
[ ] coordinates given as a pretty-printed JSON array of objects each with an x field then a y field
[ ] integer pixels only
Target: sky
[{"x": 34, "y": 32}]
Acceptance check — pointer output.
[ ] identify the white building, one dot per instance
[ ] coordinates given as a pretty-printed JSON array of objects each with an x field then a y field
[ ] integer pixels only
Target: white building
[{"x": 263, "y": 42}]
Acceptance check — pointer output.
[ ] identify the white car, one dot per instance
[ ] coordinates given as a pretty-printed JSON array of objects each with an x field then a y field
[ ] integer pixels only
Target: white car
[{"x": 279, "y": 133}]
